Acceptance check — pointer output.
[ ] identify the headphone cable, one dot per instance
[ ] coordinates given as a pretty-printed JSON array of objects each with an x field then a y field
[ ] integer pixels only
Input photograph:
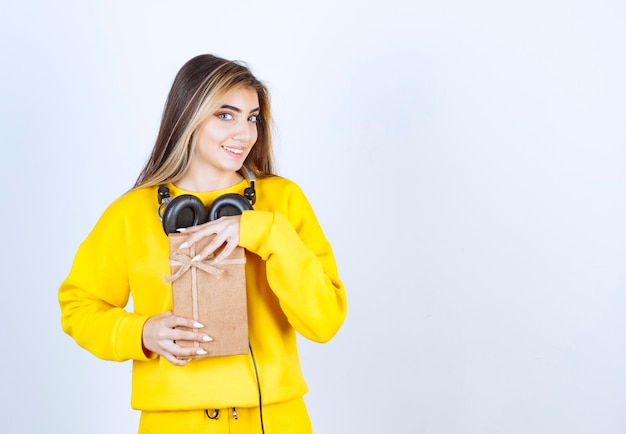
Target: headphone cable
[{"x": 258, "y": 383}]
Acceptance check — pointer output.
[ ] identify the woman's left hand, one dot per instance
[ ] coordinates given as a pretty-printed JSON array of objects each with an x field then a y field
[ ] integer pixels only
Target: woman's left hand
[{"x": 226, "y": 230}]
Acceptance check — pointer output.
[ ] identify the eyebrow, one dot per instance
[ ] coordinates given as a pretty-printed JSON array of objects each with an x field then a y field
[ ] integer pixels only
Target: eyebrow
[{"x": 238, "y": 110}]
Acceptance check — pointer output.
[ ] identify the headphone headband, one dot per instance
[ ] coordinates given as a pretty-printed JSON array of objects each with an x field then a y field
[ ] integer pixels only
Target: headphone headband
[
  {"x": 187, "y": 210},
  {"x": 249, "y": 192}
]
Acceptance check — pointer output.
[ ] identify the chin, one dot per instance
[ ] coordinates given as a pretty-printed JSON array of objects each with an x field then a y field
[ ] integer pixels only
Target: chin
[{"x": 232, "y": 166}]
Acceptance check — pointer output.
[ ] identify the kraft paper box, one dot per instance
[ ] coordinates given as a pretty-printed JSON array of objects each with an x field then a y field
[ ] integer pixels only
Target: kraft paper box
[{"x": 212, "y": 294}]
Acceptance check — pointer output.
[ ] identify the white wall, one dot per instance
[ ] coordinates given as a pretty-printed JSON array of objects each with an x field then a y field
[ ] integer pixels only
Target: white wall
[{"x": 466, "y": 159}]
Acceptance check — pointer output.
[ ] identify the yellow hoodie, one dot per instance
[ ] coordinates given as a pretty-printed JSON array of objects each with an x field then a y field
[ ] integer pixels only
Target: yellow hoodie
[{"x": 292, "y": 285}]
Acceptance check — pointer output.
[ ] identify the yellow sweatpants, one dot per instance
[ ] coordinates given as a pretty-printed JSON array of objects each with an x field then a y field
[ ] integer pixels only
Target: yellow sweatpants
[{"x": 289, "y": 417}]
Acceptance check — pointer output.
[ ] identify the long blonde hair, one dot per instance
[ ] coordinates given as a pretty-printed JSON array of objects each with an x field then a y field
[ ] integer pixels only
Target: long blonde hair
[{"x": 196, "y": 93}]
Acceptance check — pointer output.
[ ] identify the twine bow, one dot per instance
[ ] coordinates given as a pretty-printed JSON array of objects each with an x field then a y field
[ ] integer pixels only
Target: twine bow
[{"x": 186, "y": 264}]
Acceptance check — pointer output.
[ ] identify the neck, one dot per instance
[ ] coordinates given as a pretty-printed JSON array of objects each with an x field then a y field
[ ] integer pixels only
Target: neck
[{"x": 199, "y": 182}]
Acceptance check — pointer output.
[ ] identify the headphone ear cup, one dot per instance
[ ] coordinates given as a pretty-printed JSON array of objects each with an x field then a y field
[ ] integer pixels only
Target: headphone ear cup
[
  {"x": 228, "y": 204},
  {"x": 183, "y": 211}
]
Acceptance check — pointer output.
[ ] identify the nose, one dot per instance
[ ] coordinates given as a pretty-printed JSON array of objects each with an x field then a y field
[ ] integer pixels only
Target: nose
[{"x": 245, "y": 131}]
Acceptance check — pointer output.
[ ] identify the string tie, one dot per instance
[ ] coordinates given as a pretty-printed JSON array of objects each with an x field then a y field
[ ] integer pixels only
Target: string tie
[{"x": 185, "y": 263}]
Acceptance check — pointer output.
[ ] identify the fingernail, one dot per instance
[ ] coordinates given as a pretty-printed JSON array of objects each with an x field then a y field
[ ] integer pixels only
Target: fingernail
[
  {"x": 201, "y": 352},
  {"x": 206, "y": 338},
  {"x": 181, "y": 229},
  {"x": 197, "y": 325},
  {"x": 183, "y": 245},
  {"x": 195, "y": 258}
]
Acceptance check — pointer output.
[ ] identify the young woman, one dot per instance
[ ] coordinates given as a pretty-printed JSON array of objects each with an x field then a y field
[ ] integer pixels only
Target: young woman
[{"x": 214, "y": 137}]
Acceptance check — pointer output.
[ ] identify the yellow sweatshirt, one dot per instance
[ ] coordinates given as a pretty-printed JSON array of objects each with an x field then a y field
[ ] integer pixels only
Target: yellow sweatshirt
[{"x": 292, "y": 285}]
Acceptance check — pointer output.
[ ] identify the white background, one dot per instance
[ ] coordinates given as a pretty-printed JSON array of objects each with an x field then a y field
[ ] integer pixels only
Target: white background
[{"x": 466, "y": 160}]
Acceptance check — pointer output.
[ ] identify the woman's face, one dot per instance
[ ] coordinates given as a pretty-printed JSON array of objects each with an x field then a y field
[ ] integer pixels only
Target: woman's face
[{"x": 225, "y": 139}]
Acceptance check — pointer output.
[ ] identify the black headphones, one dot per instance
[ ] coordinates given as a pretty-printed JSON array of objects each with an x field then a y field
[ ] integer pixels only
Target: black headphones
[{"x": 187, "y": 210}]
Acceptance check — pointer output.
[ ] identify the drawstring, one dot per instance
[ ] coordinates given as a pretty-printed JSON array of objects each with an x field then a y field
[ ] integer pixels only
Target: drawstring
[{"x": 216, "y": 414}]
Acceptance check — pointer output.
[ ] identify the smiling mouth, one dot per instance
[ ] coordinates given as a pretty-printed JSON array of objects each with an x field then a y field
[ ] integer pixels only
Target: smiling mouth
[{"x": 233, "y": 150}]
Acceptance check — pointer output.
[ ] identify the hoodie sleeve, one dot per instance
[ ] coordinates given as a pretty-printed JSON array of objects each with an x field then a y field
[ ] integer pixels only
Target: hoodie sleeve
[
  {"x": 93, "y": 296},
  {"x": 300, "y": 265}
]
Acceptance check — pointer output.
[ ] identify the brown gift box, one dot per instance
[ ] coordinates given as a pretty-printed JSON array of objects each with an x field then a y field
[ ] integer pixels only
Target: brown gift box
[{"x": 212, "y": 294}]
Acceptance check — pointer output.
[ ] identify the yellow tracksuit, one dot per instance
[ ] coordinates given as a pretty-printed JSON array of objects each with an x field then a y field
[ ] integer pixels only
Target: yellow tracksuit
[{"x": 292, "y": 285}]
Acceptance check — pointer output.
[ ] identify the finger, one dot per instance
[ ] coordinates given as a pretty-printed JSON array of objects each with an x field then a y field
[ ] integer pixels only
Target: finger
[
  {"x": 209, "y": 249},
  {"x": 175, "y": 353},
  {"x": 190, "y": 352},
  {"x": 189, "y": 335},
  {"x": 175, "y": 360},
  {"x": 168, "y": 349},
  {"x": 189, "y": 332},
  {"x": 226, "y": 251},
  {"x": 190, "y": 229},
  {"x": 181, "y": 321},
  {"x": 219, "y": 226},
  {"x": 171, "y": 349},
  {"x": 166, "y": 330},
  {"x": 171, "y": 321},
  {"x": 198, "y": 232}
]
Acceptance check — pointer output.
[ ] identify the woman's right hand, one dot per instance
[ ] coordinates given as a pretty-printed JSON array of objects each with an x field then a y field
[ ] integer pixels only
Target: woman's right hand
[{"x": 160, "y": 333}]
